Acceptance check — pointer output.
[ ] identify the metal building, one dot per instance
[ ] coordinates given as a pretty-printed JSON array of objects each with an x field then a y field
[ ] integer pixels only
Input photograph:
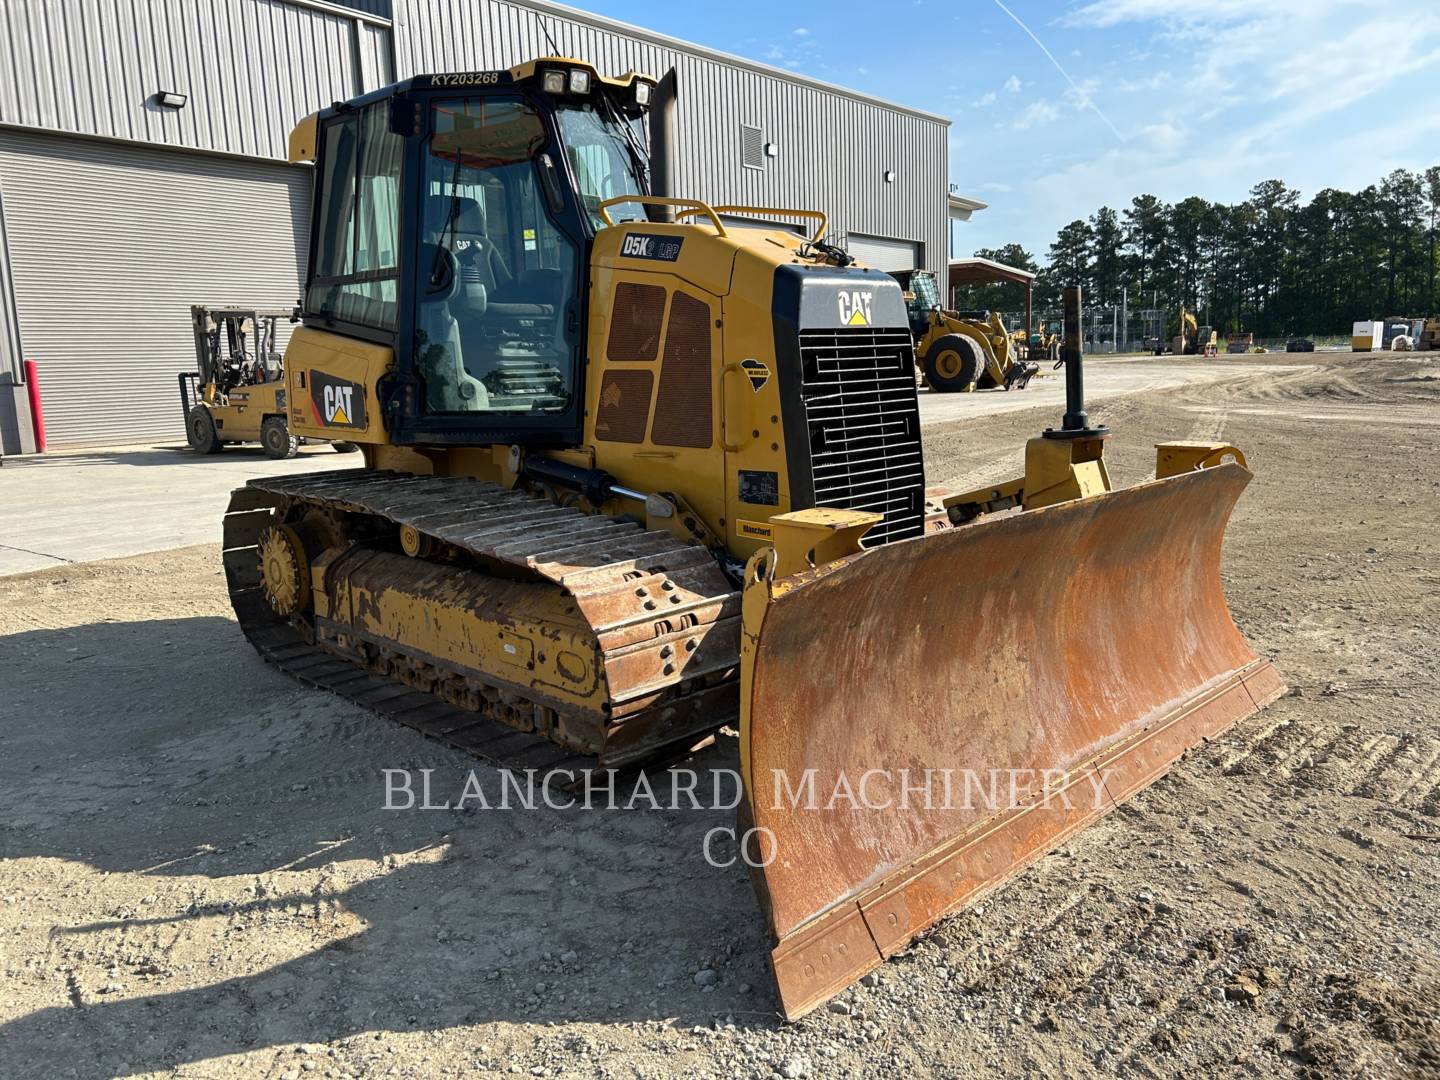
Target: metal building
[{"x": 142, "y": 167}]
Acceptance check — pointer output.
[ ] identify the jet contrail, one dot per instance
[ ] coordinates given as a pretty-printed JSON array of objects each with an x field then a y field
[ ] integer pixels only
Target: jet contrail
[{"x": 1084, "y": 97}]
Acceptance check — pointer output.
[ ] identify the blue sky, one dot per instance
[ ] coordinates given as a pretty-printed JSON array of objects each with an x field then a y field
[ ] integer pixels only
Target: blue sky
[{"x": 1171, "y": 97}]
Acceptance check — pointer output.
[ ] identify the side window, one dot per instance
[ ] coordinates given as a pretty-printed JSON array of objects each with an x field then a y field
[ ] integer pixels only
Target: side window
[{"x": 357, "y": 251}]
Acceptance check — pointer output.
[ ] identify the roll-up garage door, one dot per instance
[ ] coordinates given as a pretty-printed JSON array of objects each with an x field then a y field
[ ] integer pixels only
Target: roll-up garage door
[
  {"x": 884, "y": 253},
  {"x": 111, "y": 243}
]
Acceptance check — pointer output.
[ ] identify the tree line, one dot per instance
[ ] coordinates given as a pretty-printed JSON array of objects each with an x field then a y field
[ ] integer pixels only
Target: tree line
[{"x": 1270, "y": 265}]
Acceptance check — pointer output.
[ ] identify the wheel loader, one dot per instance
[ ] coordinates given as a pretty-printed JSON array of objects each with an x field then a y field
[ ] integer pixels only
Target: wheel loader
[
  {"x": 961, "y": 350},
  {"x": 632, "y": 474}
]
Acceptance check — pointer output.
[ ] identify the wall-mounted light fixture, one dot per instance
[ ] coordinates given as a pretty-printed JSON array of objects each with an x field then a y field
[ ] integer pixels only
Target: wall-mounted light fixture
[
  {"x": 771, "y": 150},
  {"x": 170, "y": 99},
  {"x": 889, "y": 176}
]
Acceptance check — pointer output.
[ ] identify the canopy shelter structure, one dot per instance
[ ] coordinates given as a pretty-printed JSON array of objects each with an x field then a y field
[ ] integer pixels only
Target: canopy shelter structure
[{"x": 977, "y": 271}]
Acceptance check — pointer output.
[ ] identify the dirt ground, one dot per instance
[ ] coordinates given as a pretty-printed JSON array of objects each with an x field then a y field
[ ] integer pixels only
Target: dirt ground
[{"x": 199, "y": 877}]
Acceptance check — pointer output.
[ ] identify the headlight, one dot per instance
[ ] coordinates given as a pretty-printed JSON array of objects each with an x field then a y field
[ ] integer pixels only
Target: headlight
[
  {"x": 579, "y": 81},
  {"x": 553, "y": 82},
  {"x": 642, "y": 93}
]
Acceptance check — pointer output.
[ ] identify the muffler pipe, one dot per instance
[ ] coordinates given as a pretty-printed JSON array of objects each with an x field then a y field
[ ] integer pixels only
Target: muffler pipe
[
  {"x": 662, "y": 146},
  {"x": 1076, "y": 423}
]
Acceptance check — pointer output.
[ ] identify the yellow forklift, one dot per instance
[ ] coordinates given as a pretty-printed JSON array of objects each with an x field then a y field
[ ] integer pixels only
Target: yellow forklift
[{"x": 238, "y": 392}]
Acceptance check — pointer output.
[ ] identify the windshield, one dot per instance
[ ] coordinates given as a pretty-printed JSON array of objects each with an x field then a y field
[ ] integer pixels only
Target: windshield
[
  {"x": 497, "y": 275},
  {"x": 606, "y": 153}
]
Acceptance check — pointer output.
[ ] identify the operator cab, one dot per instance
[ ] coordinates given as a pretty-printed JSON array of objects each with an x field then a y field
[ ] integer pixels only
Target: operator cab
[
  {"x": 453, "y": 214},
  {"x": 922, "y": 297}
]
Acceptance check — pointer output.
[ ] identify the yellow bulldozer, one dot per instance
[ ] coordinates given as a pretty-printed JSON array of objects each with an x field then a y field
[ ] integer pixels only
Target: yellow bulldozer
[
  {"x": 962, "y": 350},
  {"x": 633, "y": 473}
]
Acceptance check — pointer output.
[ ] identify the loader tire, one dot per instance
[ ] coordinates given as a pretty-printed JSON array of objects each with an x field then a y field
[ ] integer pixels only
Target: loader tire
[
  {"x": 201, "y": 432},
  {"x": 344, "y": 447},
  {"x": 953, "y": 363},
  {"x": 275, "y": 437}
]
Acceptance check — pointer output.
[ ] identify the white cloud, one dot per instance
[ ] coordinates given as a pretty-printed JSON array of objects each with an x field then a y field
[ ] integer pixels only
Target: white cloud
[
  {"x": 1079, "y": 95},
  {"x": 801, "y": 31},
  {"x": 1167, "y": 135},
  {"x": 1320, "y": 93},
  {"x": 985, "y": 99},
  {"x": 1036, "y": 114},
  {"x": 1335, "y": 52},
  {"x": 1012, "y": 84}
]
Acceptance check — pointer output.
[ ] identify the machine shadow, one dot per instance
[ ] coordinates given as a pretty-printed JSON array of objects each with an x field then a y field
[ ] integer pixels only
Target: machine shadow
[{"x": 167, "y": 754}]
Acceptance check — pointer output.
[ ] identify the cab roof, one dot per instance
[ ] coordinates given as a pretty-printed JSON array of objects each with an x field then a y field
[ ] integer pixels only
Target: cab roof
[{"x": 304, "y": 136}]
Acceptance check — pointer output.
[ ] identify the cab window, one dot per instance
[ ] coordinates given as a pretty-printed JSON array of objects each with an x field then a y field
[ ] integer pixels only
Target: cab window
[
  {"x": 355, "y": 269},
  {"x": 496, "y": 275}
]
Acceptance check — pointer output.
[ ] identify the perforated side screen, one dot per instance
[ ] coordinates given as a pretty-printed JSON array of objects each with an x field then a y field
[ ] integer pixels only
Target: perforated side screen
[
  {"x": 683, "y": 406},
  {"x": 635, "y": 320},
  {"x": 624, "y": 405}
]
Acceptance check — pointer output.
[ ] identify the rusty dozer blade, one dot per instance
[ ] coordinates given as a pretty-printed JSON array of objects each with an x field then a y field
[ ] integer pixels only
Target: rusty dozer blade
[{"x": 1043, "y": 666}]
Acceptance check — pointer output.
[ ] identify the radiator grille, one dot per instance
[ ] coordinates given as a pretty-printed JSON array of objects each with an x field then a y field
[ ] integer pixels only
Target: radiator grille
[
  {"x": 624, "y": 406},
  {"x": 858, "y": 390},
  {"x": 682, "y": 406},
  {"x": 635, "y": 319}
]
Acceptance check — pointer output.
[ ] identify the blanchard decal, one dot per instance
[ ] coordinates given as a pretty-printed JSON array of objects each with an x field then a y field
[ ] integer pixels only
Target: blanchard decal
[
  {"x": 655, "y": 248},
  {"x": 856, "y": 306},
  {"x": 337, "y": 402},
  {"x": 759, "y": 488},
  {"x": 758, "y": 373},
  {"x": 757, "y": 530}
]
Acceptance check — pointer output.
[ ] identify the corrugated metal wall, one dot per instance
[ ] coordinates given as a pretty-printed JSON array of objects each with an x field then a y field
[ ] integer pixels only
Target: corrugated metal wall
[
  {"x": 833, "y": 148},
  {"x": 250, "y": 68},
  {"x": 110, "y": 244}
]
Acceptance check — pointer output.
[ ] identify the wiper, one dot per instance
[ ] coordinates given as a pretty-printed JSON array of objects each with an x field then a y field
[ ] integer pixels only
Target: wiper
[
  {"x": 449, "y": 226},
  {"x": 638, "y": 157}
]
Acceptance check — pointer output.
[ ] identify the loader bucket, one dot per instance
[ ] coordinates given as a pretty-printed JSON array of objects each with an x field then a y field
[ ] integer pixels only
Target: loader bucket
[{"x": 1043, "y": 666}]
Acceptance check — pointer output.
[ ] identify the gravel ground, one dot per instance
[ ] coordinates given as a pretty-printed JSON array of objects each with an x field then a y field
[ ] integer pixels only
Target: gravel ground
[{"x": 198, "y": 877}]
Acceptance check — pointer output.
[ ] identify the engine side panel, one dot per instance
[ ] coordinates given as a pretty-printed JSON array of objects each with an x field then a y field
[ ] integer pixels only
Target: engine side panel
[{"x": 332, "y": 386}]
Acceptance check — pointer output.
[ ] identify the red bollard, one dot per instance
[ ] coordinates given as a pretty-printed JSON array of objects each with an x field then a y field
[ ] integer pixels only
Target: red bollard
[{"x": 37, "y": 414}]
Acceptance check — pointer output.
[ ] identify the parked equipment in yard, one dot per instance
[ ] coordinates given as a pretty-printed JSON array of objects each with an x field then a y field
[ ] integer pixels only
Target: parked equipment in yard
[
  {"x": 1427, "y": 337},
  {"x": 1367, "y": 335},
  {"x": 628, "y": 481},
  {"x": 1191, "y": 340},
  {"x": 1395, "y": 328},
  {"x": 1239, "y": 343},
  {"x": 962, "y": 350},
  {"x": 237, "y": 392}
]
